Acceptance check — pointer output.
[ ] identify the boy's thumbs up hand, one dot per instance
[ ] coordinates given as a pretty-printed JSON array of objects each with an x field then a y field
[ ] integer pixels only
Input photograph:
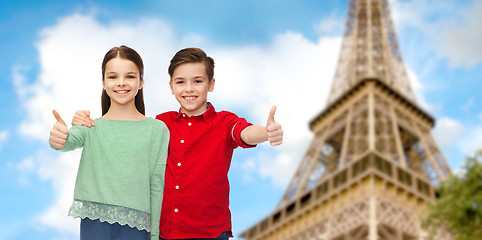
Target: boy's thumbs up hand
[
  {"x": 275, "y": 133},
  {"x": 59, "y": 132}
]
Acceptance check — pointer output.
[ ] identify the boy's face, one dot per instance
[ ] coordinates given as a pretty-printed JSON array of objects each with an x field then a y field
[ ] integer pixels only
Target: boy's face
[{"x": 190, "y": 85}]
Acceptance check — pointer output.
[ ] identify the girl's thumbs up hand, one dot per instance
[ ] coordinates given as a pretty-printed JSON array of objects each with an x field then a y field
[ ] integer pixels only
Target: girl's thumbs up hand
[{"x": 59, "y": 132}]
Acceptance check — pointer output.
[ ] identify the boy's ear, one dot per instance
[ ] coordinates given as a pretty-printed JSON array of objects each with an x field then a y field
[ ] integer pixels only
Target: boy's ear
[
  {"x": 172, "y": 88},
  {"x": 211, "y": 85}
]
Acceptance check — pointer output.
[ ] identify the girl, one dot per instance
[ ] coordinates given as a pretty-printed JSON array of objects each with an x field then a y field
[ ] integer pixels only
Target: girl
[{"x": 120, "y": 181}]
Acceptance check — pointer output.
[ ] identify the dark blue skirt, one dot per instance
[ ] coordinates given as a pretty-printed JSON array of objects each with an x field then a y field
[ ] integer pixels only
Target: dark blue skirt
[{"x": 97, "y": 230}]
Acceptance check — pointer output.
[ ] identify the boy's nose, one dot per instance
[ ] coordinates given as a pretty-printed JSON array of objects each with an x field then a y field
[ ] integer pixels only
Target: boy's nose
[{"x": 189, "y": 87}]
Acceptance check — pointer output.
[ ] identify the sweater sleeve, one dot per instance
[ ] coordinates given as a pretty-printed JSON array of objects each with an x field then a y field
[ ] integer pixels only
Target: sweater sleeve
[{"x": 157, "y": 180}]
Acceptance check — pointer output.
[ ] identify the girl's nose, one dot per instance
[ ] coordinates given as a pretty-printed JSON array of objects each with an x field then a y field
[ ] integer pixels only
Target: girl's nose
[{"x": 121, "y": 81}]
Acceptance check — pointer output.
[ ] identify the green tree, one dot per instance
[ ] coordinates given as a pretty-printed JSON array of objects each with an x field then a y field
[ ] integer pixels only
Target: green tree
[{"x": 458, "y": 209}]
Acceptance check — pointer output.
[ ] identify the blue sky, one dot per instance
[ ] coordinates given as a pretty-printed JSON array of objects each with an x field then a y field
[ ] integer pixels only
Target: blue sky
[{"x": 266, "y": 52}]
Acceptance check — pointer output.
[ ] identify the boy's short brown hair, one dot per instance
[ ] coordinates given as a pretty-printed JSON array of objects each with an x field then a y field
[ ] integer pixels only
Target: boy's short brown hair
[{"x": 192, "y": 55}]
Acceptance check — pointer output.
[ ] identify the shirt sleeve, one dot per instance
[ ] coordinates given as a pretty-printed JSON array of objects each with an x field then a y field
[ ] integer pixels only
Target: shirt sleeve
[
  {"x": 157, "y": 180},
  {"x": 236, "y": 126}
]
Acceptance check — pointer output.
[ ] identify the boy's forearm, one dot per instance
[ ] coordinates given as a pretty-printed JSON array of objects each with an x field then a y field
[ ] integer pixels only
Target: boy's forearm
[{"x": 254, "y": 134}]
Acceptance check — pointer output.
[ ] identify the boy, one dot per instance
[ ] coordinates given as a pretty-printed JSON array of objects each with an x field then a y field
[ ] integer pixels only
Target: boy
[{"x": 196, "y": 193}]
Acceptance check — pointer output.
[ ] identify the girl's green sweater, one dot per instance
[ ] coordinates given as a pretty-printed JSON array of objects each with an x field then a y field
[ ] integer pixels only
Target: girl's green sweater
[{"x": 121, "y": 171}]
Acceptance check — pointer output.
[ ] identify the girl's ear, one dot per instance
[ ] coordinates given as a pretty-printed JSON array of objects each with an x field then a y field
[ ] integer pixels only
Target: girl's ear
[
  {"x": 141, "y": 84},
  {"x": 103, "y": 84}
]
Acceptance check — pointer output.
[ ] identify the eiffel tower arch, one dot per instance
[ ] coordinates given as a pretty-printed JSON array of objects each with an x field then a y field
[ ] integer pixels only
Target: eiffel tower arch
[{"x": 372, "y": 166}]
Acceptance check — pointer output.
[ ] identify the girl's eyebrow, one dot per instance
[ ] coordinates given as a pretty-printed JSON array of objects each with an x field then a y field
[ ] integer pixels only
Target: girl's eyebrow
[{"x": 111, "y": 72}]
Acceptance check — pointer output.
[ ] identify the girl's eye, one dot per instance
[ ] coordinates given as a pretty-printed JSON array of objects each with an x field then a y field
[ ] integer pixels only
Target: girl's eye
[
  {"x": 131, "y": 77},
  {"x": 112, "y": 77}
]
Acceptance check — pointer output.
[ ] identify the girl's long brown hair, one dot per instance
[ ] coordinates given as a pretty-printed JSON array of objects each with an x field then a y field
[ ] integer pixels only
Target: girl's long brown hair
[{"x": 130, "y": 54}]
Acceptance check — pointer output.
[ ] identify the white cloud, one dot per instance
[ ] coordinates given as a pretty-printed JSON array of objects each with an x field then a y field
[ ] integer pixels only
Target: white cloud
[
  {"x": 249, "y": 164},
  {"x": 468, "y": 104},
  {"x": 3, "y": 138},
  {"x": 418, "y": 89},
  {"x": 454, "y": 32},
  {"x": 472, "y": 142},
  {"x": 330, "y": 25},
  {"x": 25, "y": 167},
  {"x": 419, "y": 14},
  {"x": 279, "y": 169},
  {"x": 292, "y": 73},
  {"x": 460, "y": 36},
  {"x": 447, "y": 131},
  {"x": 61, "y": 170},
  {"x": 451, "y": 134},
  {"x": 249, "y": 167}
]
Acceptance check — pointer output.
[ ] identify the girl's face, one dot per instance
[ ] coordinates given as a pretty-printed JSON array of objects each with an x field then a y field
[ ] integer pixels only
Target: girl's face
[{"x": 121, "y": 81}]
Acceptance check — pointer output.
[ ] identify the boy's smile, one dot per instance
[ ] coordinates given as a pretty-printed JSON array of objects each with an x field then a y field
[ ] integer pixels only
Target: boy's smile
[{"x": 190, "y": 85}]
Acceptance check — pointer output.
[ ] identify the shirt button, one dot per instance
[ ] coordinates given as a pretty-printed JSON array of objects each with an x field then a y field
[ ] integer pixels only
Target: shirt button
[
  {"x": 176, "y": 210},
  {"x": 184, "y": 115},
  {"x": 189, "y": 124},
  {"x": 177, "y": 186},
  {"x": 178, "y": 164},
  {"x": 182, "y": 141}
]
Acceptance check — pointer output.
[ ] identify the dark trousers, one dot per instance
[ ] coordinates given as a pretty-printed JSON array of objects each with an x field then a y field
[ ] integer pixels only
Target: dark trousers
[
  {"x": 97, "y": 230},
  {"x": 223, "y": 236}
]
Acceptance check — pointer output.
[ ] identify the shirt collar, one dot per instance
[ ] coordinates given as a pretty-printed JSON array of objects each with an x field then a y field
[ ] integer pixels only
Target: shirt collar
[{"x": 206, "y": 115}]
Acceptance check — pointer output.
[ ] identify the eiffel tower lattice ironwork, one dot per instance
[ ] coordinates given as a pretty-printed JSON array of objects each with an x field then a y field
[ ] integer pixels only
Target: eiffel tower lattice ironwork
[{"x": 372, "y": 165}]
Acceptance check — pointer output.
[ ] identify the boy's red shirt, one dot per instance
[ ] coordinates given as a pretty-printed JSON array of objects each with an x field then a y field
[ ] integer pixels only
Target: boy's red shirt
[{"x": 196, "y": 192}]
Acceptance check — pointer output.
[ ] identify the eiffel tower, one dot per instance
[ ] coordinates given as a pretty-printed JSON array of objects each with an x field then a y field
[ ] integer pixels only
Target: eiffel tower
[{"x": 372, "y": 165}]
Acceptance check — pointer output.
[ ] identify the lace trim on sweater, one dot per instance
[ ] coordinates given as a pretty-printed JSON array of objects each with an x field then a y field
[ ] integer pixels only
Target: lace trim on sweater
[{"x": 111, "y": 214}]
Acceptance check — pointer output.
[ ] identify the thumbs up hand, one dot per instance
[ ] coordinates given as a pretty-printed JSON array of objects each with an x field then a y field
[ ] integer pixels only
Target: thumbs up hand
[
  {"x": 59, "y": 132},
  {"x": 275, "y": 133}
]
